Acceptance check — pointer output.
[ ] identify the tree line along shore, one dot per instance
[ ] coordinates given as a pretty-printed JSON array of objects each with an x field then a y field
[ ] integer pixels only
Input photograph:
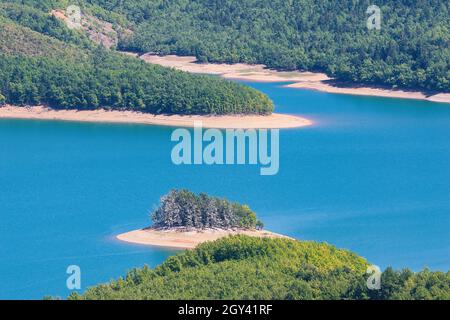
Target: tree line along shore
[{"x": 293, "y": 79}]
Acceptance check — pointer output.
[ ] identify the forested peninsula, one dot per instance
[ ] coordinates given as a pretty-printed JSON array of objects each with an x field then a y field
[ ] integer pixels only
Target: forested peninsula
[{"x": 43, "y": 62}]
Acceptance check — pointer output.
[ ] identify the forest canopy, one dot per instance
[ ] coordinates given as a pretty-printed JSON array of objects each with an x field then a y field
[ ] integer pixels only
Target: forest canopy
[
  {"x": 241, "y": 267},
  {"x": 185, "y": 209},
  {"x": 412, "y": 49}
]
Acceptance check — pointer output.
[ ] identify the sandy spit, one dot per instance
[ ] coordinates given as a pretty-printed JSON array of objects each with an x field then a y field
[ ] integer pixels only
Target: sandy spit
[
  {"x": 273, "y": 121},
  {"x": 186, "y": 239}
]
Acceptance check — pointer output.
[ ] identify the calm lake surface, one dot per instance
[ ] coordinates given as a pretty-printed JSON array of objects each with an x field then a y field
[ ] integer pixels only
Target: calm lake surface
[{"x": 373, "y": 176}]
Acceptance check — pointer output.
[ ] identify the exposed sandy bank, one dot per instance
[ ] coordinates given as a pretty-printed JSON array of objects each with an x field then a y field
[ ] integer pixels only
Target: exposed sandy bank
[
  {"x": 367, "y": 91},
  {"x": 238, "y": 71},
  {"x": 302, "y": 80},
  {"x": 186, "y": 239},
  {"x": 273, "y": 121}
]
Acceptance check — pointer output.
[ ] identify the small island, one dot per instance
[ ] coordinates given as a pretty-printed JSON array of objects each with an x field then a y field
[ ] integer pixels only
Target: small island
[{"x": 184, "y": 219}]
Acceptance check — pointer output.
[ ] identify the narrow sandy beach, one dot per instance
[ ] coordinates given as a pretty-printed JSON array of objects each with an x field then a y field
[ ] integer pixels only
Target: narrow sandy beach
[
  {"x": 367, "y": 91},
  {"x": 186, "y": 239},
  {"x": 273, "y": 121},
  {"x": 301, "y": 80}
]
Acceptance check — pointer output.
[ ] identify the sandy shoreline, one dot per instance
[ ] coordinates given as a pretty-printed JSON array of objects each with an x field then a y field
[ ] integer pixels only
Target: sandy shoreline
[
  {"x": 367, "y": 91},
  {"x": 238, "y": 71},
  {"x": 273, "y": 121},
  {"x": 186, "y": 239},
  {"x": 301, "y": 80}
]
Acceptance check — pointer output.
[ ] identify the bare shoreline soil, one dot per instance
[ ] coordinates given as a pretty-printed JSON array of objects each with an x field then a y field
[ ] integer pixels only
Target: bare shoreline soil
[{"x": 178, "y": 239}]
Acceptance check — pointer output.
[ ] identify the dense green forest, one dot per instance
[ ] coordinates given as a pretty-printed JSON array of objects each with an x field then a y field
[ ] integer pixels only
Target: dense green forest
[
  {"x": 242, "y": 267},
  {"x": 44, "y": 62},
  {"x": 410, "y": 51},
  {"x": 182, "y": 208}
]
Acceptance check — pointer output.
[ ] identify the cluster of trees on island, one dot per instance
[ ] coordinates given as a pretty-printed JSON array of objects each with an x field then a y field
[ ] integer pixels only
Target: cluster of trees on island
[
  {"x": 43, "y": 62},
  {"x": 185, "y": 209},
  {"x": 242, "y": 267}
]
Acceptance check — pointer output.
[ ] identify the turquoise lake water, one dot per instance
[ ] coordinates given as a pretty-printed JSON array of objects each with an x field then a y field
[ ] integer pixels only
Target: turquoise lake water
[{"x": 373, "y": 176}]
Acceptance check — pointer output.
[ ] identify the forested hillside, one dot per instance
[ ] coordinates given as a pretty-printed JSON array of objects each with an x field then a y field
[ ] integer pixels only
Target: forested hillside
[
  {"x": 241, "y": 267},
  {"x": 44, "y": 62},
  {"x": 410, "y": 51}
]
